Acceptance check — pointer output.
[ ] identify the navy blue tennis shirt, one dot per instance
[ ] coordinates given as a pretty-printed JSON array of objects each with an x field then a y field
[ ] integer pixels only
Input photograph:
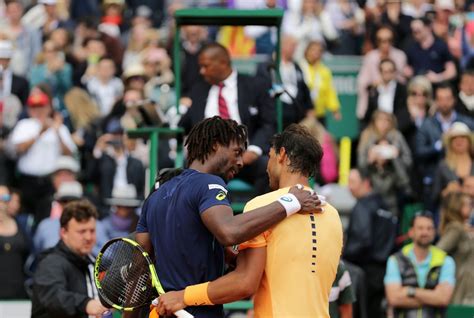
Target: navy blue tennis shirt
[{"x": 186, "y": 252}]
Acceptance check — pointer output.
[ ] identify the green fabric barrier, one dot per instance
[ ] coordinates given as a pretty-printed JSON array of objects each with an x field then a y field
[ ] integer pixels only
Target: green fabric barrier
[
  {"x": 344, "y": 70},
  {"x": 457, "y": 311}
]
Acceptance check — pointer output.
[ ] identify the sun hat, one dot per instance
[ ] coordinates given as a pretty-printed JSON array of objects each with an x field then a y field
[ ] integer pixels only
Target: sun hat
[
  {"x": 70, "y": 190},
  {"x": 67, "y": 163},
  {"x": 458, "y": 129},
  {"x": 124, "y": 196}
]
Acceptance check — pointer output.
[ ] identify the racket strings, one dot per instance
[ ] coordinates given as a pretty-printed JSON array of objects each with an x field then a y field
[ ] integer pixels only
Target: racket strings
[{"x": 127, "y": 281}]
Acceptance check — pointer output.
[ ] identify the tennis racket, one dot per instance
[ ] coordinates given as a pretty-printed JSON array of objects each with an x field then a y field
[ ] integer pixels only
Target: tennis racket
[{"x": 126, "y": 278}]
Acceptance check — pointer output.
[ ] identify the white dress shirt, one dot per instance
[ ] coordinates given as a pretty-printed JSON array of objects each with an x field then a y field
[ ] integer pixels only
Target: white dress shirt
[
  {"x": 229, "y": 93},
  {"x": 386, "y": 96}
]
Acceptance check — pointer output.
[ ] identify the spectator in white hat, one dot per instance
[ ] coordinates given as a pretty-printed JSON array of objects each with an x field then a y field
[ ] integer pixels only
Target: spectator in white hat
[
  {"x": 47, "y": 232},
  {"x": 66, "y": 171},
  {"x": 442, "y": 26},
  {"x": 458, "y": 163},
  {"x": 123, "y": 217},
  {"x": 10, "y": 84}
]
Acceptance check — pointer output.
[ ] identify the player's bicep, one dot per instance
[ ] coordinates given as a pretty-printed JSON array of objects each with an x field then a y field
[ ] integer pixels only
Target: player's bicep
[
  {"x": 252, "y": 262},
  {"x": 217, "y": 219}
]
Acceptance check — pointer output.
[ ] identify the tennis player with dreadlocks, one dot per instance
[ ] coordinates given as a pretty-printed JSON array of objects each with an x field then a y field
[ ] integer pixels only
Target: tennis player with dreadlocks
[{"x": 187, "y": 221}]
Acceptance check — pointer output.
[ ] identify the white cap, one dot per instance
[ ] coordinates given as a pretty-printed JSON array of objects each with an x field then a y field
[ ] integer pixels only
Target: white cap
[
  {"x": 445, "y": 5},
  {"x": 67, "y": 163},
  {"x": 6, "y": 49},
  {"x": 124, "y": 196},
  {"x": 48, "y": 2},
  {"x": 69, "y": 190}
]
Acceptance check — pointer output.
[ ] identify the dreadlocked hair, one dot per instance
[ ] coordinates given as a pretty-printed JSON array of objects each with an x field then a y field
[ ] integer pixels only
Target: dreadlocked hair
[{"x": 211, "y": 131}]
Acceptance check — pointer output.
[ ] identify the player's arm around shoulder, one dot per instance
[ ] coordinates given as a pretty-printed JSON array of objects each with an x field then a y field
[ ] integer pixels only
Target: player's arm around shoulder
[
  {"x": 232, "y": 230},
  {"x": 241, "y": 283}
]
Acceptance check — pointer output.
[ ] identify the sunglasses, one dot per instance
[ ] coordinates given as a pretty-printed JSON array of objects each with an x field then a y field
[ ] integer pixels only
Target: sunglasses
[
  {"x": 5, "y": 198},
  {"x": 424, "y": 94},
  {"x": 384, "y": 40}
]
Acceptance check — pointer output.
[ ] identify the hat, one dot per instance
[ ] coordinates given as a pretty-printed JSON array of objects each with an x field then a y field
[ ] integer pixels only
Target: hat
[
  {"x": 143, "y": 11},
  {"x": 458, "y": 129},
  {"x": 69, "y": 190},
  {"x": 67, "y": 163},
  {"x": 118, "y": 2},
  {"x": 48, "y": 2},
  {"x": 37, "y": 99},
  {"x": 133, "y": 70},
  {"x": 6, "y": 49},
  {"x": 445, "y": 5},
  {"x": 125, "y": 195}
]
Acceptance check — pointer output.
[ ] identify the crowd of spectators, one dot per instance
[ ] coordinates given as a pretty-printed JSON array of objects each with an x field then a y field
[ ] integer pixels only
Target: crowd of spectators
[{"x": 76, "y": 74}]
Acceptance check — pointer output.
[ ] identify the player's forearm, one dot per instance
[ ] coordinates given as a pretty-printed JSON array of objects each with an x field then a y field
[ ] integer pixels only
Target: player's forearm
[
  {"x": 246, "y": 226},
  {"x": 243, "y": 281},
  {"x": 231, "y": 287}
]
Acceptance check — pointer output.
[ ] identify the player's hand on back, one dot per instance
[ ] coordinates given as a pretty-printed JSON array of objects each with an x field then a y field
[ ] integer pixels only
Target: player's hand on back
[
  {"x": 309, "y": 200},
  {"x": 170, "y": 302}
]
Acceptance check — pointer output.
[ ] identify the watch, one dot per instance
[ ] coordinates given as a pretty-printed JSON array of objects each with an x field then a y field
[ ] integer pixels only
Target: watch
[{"x": 411, "y": 291}]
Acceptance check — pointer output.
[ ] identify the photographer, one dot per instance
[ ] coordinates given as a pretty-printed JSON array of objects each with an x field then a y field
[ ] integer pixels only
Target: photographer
[
  {"x": 39, "y": 141},
  {"x": 113, "y": 164},
  {"x": 385, "y": 154}
]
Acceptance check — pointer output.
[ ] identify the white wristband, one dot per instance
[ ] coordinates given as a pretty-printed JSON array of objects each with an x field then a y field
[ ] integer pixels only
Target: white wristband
[{"x": 290, "y": 203}]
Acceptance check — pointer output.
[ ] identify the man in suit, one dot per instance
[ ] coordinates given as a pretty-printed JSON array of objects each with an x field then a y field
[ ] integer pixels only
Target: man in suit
[
  {"x": 465, "y": 102},
  {"x": 11, "y": 84},
  {"x": 245, "y": 99},
  {"x": 389, "y": 95}
]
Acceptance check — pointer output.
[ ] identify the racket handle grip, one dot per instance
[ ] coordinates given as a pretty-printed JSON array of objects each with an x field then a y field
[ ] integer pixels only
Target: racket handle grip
[{"x": 183, "y": 314}]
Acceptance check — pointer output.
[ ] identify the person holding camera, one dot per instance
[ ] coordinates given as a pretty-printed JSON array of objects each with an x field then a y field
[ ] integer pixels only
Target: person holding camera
[
  {"x": 113, "y": 164},
  {"x": 385, "y": 154},
  {"x": 39, "y": 141}
]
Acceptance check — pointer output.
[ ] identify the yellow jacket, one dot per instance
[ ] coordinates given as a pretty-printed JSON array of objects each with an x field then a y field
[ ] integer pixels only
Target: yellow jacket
[{"x": 318, "y": 77}]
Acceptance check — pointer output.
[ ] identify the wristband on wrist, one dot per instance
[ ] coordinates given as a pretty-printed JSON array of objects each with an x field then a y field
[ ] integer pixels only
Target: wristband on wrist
[
  {"x": 290, "y": 203},
  {"x": 196, "y": 295}
]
